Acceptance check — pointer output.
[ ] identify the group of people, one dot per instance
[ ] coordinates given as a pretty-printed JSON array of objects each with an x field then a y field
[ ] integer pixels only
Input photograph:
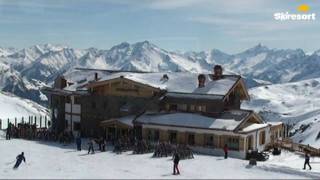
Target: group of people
[
  {"x": 22, "y": 130},
  {"x": 29, "y": 131}
]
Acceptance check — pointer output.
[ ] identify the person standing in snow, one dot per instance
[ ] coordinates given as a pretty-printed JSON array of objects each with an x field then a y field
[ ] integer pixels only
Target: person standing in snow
[
  {"x": 225, "y": 149},
  {"x": 176, "y": 160},
  {"x": 78, "y": 142},
  {"x": 306, "y": 160},
  {"x": 19, "y": 158},
  {"x": 90, "y": 143},
  {"x": 8, "y": 133}
]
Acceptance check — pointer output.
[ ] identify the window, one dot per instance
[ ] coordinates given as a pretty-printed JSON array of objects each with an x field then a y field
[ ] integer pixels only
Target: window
[
  {"x": 173, "y": 107},
  {"x": 76, "y": 100},
  {"x": 153, "y": 135},
  {"x": 191, "y": 139},
  {"x": 262, "y": 137},
  {"x": 182, "y": 107},
  {"x": 208, "y": 140},
  {"x": 201, "y": 108},
  {"x": 173, "y": 137},
  {"x": 68, "y": 99},
  {"x": 233, "y": 143},
  {"x": 76, "y": 126},
  {"x": 192, "y": 108}
]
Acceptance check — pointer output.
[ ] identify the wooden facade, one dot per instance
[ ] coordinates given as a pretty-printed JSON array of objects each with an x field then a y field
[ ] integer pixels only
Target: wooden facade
[{"x": 107, "y": 100}]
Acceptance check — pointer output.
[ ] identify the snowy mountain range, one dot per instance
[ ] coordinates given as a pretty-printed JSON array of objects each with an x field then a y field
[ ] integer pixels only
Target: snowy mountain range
[
  {"x": 284, "y": 83},
  {"x": 25, "y": 71},
  {"x": 295, "y": 103}
]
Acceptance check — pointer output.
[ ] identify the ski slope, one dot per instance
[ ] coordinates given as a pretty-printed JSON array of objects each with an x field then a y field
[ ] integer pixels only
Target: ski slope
[
  {"x": 50, "y": 160},
  {"x": 295, "y": 103},
  {"x": 15, "y": 107}
]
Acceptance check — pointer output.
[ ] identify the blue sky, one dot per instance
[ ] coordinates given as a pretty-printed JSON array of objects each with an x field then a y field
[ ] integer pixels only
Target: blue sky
[{"x": 228, "y": 25}]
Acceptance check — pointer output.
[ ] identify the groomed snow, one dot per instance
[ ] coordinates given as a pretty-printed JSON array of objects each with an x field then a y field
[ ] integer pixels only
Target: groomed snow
[{"x": 50, "y": 160}]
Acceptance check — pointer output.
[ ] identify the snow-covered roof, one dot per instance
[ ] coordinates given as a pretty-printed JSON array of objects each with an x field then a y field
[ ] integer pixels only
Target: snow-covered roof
[
  {"x": 126, "y": 120},
  {"x": 193, "y": 96},
  {"x": 275, "y": 123},
  {"x": 254, "y": 126},
  {"x": 80, "y": 78},
  {"x": 185, "y": 83},
  {"x": 226, "y": 121},
  {"x": 182, "y": 82}
]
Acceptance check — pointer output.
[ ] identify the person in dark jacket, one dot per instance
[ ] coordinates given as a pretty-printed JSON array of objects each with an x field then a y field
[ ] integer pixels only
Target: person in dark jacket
[
  {"x": 19, "y": 158},
  {"x": 306, "y": 161},
  {"x": 176, "y": 160},
  {"x": 78, "y": 142},
  {"x": 225, "y": 149},
  {"x": 8, "y": 133},
  {"x": 91, "y": 149}
]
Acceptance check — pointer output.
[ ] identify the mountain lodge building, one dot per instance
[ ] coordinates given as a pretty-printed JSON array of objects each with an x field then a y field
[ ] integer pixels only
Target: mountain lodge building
[{"x": 202, "y": 111}]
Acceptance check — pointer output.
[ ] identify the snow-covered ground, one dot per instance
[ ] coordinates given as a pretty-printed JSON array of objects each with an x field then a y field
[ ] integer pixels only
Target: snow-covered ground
[
  {"x": 295, "y": 103},
  {"x": 50, "y": 160},
  {"x": 15, "y": 107}
]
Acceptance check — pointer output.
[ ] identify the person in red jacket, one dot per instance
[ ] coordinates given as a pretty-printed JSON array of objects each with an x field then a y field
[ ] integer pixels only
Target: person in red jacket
[{"x": 225, "y": 149}]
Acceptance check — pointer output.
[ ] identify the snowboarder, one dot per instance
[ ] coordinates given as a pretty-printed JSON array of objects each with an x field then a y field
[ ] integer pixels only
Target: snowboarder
[
  {"x": 225, "y": 149},
  {"x": 19, "y": 158},
  {"x": 176, "y": 160},
  {"x": 306, "y": 161},
  {"x": 91, "y": 149},
  {"x": 8, "y": 133},
  {"x": 78, "y": 142}
]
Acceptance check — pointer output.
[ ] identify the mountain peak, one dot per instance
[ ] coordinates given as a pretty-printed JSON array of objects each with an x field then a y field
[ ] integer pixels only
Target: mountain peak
[
  {"x": 144, "y": 44},
  {"x": 259, "y": 48}
]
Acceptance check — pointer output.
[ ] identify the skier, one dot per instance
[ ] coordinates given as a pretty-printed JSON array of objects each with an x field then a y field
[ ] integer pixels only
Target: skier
[
  {"x": 176, "y": 160},
  {"x": 78, "y": 142},
  {"x": 90, "y": 143},
  {"x": 19, "y": 158},
  {"x": 8, "y": 133},
  {"x": 306, "y": 161},
  {"x": 225, "y": 149}
]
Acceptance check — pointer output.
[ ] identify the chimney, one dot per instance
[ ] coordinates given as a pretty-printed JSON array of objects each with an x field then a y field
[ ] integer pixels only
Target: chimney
[
  {"x": 201, "y": 80},
  {"x": 217, "y": 72},
  {"x": 96, "y": 76}
]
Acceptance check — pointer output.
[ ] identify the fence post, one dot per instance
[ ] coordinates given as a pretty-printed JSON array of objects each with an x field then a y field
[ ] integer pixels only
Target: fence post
[
  {"x": 0, "y": 124},
  {"x": 15, "y": 122},
  {"x": 35, "y": 122},
  {"x": 8, "y": 122}
]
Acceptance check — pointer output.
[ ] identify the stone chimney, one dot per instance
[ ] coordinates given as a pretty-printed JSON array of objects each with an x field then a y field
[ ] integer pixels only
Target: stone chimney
[
  {"x": 201, "y": 80},
  {"x": 96, "y": 76},
  {"x": 217, "y": 72}
]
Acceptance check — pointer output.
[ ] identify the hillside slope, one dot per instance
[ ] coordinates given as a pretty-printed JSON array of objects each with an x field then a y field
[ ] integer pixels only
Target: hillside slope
[{"x": 295, "y": 103}]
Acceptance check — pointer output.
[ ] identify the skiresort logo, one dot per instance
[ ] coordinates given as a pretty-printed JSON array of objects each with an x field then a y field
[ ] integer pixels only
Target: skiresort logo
[{"x": 304, "y": 16}]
